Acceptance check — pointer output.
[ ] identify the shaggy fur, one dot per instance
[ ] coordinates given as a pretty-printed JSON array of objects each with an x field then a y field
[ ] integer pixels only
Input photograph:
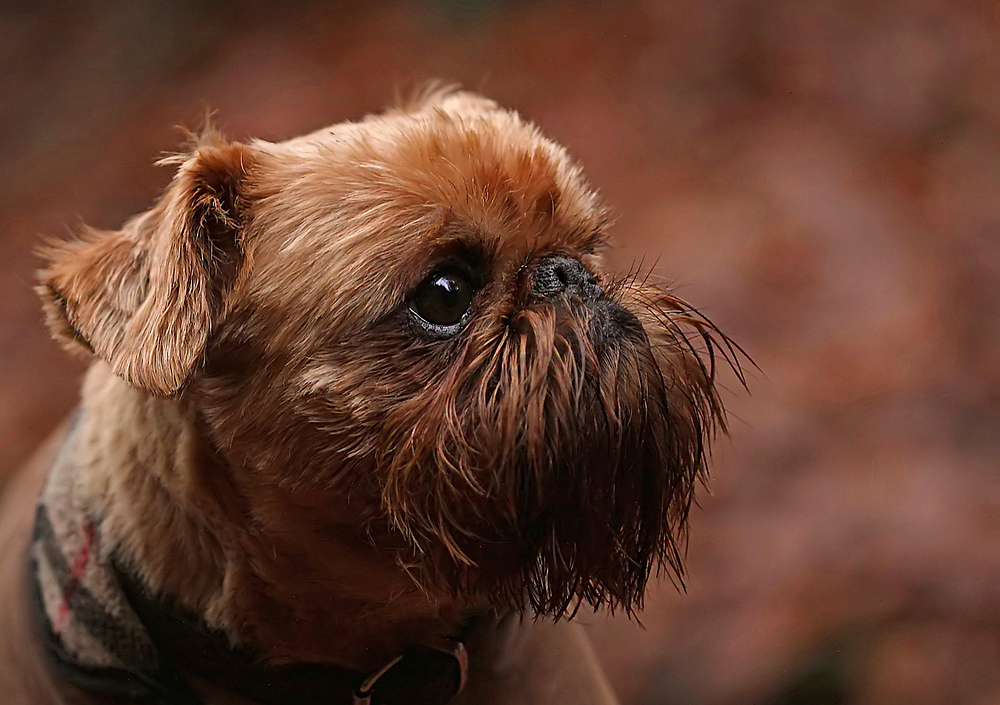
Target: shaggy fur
[{"x": 272, "y": 440}]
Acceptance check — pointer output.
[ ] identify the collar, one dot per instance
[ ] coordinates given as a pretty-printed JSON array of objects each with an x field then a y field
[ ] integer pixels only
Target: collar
[{"x": 103, "y": 631}]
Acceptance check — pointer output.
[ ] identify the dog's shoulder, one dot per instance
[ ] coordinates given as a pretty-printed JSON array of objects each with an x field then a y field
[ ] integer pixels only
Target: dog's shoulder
[{"x": 537, "y": 662}]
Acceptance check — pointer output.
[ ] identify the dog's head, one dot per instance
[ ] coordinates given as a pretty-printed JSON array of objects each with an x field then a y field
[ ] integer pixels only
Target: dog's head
[{"x": 410, "y": 313}]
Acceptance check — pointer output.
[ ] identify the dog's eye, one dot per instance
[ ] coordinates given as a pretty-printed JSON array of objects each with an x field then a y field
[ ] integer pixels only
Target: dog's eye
[{"x": 444, "y": 299}]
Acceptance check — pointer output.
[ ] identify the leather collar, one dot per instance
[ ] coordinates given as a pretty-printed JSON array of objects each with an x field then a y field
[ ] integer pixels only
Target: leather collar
[{"x": 423, "y": 675}]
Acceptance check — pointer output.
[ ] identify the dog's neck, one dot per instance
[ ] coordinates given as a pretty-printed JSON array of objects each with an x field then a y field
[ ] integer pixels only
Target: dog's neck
[{"x": 189, "y": 525}]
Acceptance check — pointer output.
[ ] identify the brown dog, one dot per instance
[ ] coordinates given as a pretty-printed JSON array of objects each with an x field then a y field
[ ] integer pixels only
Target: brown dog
[{"x": 361, "y": 401}]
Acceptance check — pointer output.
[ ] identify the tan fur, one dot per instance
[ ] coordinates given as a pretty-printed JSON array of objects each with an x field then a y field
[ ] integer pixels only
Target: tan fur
[{"x": 271, "y": 445}]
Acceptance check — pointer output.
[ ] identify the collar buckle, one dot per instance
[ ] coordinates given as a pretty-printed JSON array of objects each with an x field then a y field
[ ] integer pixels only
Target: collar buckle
[{"x": 451, "y": 647}]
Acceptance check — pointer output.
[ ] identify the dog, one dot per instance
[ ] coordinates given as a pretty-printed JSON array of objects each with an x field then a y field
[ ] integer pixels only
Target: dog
[{"x": 367, "y": 422}]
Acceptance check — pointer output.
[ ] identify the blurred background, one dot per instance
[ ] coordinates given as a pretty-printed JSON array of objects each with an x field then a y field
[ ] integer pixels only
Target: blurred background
[{"x": 821, "y": 178}]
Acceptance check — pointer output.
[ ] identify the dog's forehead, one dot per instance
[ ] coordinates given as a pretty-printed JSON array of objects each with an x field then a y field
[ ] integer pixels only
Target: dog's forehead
[{"x": 485, "y": 167}]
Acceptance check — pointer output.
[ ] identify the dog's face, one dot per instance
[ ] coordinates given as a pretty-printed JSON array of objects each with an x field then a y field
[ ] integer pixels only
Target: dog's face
[{"x": 403, "y": 325}]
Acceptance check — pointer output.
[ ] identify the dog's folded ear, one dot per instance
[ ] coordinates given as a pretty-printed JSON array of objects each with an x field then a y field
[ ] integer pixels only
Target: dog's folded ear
[{"x": 147, "y": 297}]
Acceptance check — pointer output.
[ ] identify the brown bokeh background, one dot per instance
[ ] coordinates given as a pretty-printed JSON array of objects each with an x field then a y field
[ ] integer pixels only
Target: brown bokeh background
[{"x": 821, "y": 178}]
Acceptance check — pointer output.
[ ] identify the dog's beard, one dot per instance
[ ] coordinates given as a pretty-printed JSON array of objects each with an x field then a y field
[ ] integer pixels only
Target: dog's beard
[{"x": 556, "y": 463}]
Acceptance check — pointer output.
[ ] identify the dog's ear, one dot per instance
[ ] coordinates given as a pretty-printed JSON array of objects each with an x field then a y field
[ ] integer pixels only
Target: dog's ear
[{"x": 146, "y": 298}]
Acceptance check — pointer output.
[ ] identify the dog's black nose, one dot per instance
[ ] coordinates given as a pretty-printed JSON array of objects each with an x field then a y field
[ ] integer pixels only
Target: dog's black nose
[{"x": 559, "y": 275}]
